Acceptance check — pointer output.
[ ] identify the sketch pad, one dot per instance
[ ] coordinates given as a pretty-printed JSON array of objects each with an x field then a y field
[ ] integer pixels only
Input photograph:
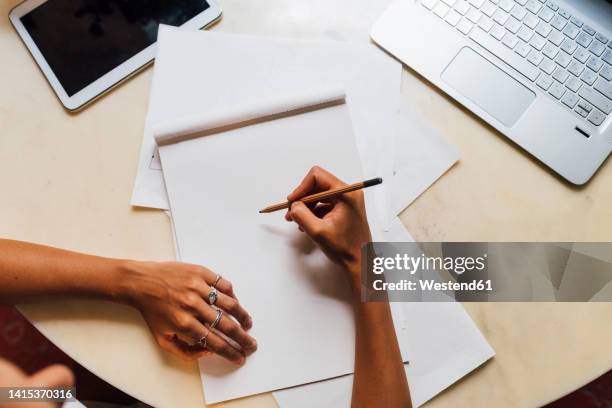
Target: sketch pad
[
  {"x": 270, "y": 108},
  {"x": 299, "y": 301}
]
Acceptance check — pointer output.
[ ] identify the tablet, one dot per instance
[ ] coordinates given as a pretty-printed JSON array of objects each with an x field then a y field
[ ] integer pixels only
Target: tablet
[{"x": 85, "y": 47}]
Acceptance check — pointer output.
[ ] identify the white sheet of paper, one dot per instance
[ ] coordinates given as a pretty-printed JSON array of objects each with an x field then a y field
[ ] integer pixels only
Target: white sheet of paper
[
  {"x": 216, "y": 185},
  {"x": 441, "y": 342},
  {"x": 196, "y": 71},
  {"x": 422, "y": 155}
]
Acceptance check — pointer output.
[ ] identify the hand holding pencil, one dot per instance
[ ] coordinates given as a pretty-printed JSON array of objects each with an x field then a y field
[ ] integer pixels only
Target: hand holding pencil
[{"x": 338, "y": 223}]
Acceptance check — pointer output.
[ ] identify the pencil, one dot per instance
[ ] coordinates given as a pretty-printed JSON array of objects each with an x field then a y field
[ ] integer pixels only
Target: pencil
[{"x": 325, "y": 195}]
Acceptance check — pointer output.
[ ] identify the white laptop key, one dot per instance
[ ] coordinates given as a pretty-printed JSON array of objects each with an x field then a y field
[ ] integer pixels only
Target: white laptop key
[
  {"x": 489, "y": 9},
  {"x": 604, "y": 87},
  {"x": 573, "y": 84},
  {"x": 544, "y": 82},
  {"x": 581, "y": 55},
  {"x": 596, "y": 117},
  {"x": 518, "y": 12},
  {"x": 501, "y": 17},
  {"x": 543, "y": 29},
  {"x": 588, "y": 77},
  {"x": 429, "y": 3},
  {"x": 531, "y": 21},
  {"x": 546, "y": 14},
  {"x": 535, "y": 57},
  {"x": 584, "y": 39},
  {"x": 485, "y": 23},
  {"x": 523, "y": 49},
  {"x": 606, "y": 72},
  {"x": 513, "y": 25},
  {"x": 563, "y": 59},
  {"x": 462, "y": 7},
  {"x": 576, "y": 68},
  {"x": 510, "y": 40},
  {"x": 570, "y": 100},
  {"x": 560, "y": 75},
  {"x": 557, "y": 90},
  {"x": 452, "y": 18},
  {"x": 537, "y": 42},
  {"x": 594, "y": 63},
  {"x": 597, "y": 48},
  {"x": 571, "y": 31},
  {"x": 548, "y": 66},
  {"x": 568, "y": 46},
  {"x": 441, "y": 9},
  {"x": 556, "y": 37},
  {"x": 550, "y": 50},
  {"x": 579, "y": 110},
  {"x": 533, "y": 6},
  {"x": 596, "y": 99},
  {"x": 464, "y": 26},
  {"x": 558, "y": 22}
]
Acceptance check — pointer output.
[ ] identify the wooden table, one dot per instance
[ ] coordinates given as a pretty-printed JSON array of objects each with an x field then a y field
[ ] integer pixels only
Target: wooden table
[{"x": 67, "y": 179}]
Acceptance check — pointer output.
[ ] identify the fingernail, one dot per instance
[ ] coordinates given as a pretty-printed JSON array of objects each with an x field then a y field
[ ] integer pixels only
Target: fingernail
[{"x": 241, "y": 361}]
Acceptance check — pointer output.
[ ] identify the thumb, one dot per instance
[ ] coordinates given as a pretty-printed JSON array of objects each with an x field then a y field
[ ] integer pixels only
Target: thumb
[
  {"x": 310, "y": 223},
  {"x": 53, "y": 376}
]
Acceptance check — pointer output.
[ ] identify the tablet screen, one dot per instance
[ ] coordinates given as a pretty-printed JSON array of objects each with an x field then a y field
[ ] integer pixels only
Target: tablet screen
[{"x": 85, "y": 39}]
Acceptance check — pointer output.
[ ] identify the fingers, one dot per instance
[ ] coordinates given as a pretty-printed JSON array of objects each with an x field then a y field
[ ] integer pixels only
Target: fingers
[
  {"x": 316, "y": 180},
  {"x": 52, "y": 377},
  {"x": 210, "y": 278},
  {"x": 226, "y": 287},
  {"x": 307, "y": 221},
  {"x": 228, "y": 327},
  {"x": 187, "y": 352},
  {"x": 221, "y": 347},
  {"x": 234, "y": 308}
]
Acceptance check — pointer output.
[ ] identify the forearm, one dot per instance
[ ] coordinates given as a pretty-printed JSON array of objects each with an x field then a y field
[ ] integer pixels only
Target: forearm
[
  {"x": 380, "y": 378},
  {"x": 30, "y": 272}
]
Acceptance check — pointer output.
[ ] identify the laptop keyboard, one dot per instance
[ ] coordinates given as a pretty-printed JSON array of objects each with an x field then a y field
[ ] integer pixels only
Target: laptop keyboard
[{"x": 552, "y": 48}]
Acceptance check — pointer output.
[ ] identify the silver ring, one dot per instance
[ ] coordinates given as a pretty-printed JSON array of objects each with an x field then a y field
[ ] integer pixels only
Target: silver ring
[
  {"x": 203, "y": 341},
  {"x": 212, "y": 296},
  {"x": 217, "y": 279},
  {"x": 217, "y": 319}
]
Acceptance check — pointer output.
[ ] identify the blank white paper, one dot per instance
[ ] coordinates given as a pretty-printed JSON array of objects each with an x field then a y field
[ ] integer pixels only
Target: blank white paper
[
  {"x": 199, "y": 71},
  {"x": 298, "y": 300}
]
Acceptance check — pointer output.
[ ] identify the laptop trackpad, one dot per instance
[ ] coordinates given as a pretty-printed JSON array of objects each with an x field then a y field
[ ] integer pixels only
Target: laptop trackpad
[{"x": 487, "y": 86}]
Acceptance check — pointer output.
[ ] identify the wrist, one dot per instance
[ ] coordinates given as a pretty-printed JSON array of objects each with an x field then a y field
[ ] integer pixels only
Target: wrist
[
  {"x": 354, "y": 272},
  {"x": 125, "y": 274}
]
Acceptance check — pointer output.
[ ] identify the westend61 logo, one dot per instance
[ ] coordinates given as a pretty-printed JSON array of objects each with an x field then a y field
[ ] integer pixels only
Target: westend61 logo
[
  {"x": 411, "y": 264},
  {"x": 486, "y": 272}
]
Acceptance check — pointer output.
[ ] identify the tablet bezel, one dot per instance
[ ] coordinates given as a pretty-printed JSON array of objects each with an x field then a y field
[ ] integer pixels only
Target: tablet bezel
[{"x": 109, "y": 80}]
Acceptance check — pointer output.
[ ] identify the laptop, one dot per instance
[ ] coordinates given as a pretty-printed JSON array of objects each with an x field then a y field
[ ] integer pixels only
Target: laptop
[{"x": 538, "y": 71}]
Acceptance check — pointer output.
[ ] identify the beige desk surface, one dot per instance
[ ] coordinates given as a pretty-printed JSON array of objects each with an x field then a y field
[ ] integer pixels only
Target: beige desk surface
[{"x": 66, "y": 180}]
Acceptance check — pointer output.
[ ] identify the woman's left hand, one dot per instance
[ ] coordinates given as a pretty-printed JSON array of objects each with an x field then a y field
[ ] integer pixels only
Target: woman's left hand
[{"x": 173, "y": 298}]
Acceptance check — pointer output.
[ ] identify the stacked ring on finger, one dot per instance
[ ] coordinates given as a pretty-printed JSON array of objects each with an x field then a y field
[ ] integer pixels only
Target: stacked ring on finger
[
  {"x": 203, "y": 341},
  {"x": 217, "y": 279},
  {"x": 212, "y": 296},
  {"x": 217, "y": 319}
]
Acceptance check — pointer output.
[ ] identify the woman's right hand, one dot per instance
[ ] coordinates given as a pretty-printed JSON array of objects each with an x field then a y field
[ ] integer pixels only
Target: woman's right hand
[
  {"x": 340, "y": 226},
  {"x": 173, "y": 299}
]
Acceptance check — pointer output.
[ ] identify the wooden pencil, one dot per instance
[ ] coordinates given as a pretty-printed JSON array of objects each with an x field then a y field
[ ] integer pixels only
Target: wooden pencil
[{"x": 325, "y": 195}]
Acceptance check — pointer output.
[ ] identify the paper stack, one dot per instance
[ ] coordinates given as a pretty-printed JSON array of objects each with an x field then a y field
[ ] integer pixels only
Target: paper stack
[{"x": 207, "y": 75}]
